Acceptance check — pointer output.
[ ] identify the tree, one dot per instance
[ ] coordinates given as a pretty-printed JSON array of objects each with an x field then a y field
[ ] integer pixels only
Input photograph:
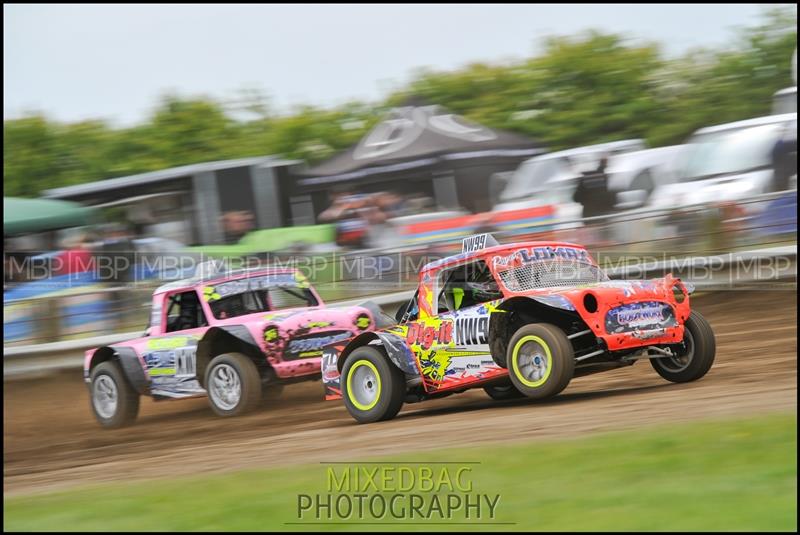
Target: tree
[
  {"x": 30, "y": 157},
  {"x": 584, "y": 89},
  {"x": 707, "y": 87}
]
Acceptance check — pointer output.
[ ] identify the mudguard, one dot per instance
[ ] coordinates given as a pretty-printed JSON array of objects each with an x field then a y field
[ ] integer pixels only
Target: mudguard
[
  {"x": 129, "y": 361},
  {"x": 132, "y": 366},
  {"x": 238, "y": 331},
  {"x": 204, "y": 346},
  {"x": 398, "y": 351},
  {"x": 392, "y": 340}
]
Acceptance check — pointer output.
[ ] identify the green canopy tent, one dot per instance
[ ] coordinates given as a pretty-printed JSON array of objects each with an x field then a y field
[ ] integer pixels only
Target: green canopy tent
[{"x": 23, "y": 216}]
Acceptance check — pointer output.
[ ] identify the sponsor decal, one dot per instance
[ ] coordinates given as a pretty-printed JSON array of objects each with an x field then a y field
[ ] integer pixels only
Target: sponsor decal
[
  {"x": 363, "y": 321},
  {"x": 173, "y": 356},
  {"x": 477, "y": 243},
  {"x": 210, "y": 294},
  {"x": 317, "y": 324},
  {"x": 472, "y": 331},
  {"x": 634, "y": 316},
  {"x": 646, "y": 315},
  {"x": 271, "y": 334},
  {"x": 424, "y": 336},
  {"x": 225, "y": 289},
  {"x": 330, "y": 372},
  {"x": 541, "y": 254},
  {"x": 171, "y": 342},
  {"x": 437, "y": 341},
  {"x": 435, "y": 365},
  {"x": 312, "y": 346},
  {"x": 647, "y": 335}
]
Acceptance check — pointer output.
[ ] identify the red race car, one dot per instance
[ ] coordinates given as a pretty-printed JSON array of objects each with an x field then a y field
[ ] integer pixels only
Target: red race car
[{"x": 516, "y": 320}]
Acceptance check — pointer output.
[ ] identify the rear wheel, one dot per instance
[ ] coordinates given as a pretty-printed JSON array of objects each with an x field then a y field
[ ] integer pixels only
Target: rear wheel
[
  {"x": 113, "y": 400},
  {"x": 503, "y": 391},
  {"x": 693, "y": 357},
  {"x": 233, "y": 384},
  {"x": 373, "y": 389},
  {"x": 540, "y": 360}
]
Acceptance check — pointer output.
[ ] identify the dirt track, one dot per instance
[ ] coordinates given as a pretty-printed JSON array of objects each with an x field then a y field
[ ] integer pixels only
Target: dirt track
[{"x": 50, "y": 440}]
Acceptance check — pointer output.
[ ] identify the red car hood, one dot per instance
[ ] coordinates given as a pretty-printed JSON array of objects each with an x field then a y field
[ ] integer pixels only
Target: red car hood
[{"x": 624, "y": 313}]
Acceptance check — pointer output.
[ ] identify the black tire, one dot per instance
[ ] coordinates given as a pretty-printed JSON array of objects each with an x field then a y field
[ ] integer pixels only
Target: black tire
[
  {"x": 557, "y": 356},
  {"x": 249, "y": 380},
  {"x": 127, "y": 399},
  {"x": 390, "y": 387},
  {"x": 500, "y": 392},
  {"x": 699, "y": 345}
]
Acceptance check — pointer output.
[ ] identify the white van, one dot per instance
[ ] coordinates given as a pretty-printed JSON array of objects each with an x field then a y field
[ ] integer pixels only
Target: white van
[
  {"x": 551, "y": 178},
  {"x": 785, "y": 101},
  {"x": 732, "y": 162}
]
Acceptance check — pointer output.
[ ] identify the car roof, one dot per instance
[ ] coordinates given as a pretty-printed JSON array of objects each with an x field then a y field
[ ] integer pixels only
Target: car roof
[
  {"x": 495, "y": 249},
  {"x": 758, "y": 121},
  {"x": 589, "y": 149},
  {"x": 191, "y": 282},
  {"x": 786, "y": 91}
]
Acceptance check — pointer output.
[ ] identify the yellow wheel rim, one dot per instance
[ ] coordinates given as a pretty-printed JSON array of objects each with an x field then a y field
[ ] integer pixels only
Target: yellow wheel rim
[
  {"x": 363, "y": 385},
  {"x": 535, "y": 369}
]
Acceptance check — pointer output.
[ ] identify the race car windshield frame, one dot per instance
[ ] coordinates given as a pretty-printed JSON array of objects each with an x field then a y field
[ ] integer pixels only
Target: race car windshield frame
[
  {"x": 263, "y": 300},
  {"x": 409, "y": 311},
  {"x": 465, "y": 285}
]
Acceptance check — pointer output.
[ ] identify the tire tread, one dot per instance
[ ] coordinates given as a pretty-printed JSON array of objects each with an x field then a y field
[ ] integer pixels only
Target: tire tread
[
  {"x": 251, "y": 383},
  {"x": 128, "y": 397}
]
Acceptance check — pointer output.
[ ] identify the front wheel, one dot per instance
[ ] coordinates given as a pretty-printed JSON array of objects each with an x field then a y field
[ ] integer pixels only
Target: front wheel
[
  {"x": 373, "y": 388},
  {"x": 114, "y": 401},
  {"x": 540, "y": 360},
  {"x": 693, "y": 357},
  {"x": 233, "y": 384}
]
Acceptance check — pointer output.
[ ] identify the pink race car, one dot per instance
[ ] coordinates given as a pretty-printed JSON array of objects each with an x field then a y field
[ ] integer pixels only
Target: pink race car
[{"x": 235, "y": 337}]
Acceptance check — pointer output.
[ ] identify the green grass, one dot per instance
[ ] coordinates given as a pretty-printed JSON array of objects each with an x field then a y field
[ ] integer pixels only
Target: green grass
[{"x": 715, "y": 475}]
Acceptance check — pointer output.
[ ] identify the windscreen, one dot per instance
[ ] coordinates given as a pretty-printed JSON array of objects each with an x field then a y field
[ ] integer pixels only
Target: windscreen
[
  {"x": 257, "y": 294},
  {"x": 531, "y": 177},
  {"x": 730, "y": 151}
]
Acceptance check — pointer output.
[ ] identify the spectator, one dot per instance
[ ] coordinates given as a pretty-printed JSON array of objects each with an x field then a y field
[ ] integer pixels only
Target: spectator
[
  {"x": 390, "y": 203},
  {"x": 592, "y": 192},
  {"x": 342, "y": 202},
  {"x": 594, "y": 196},
  {"x": 236, "y": 224},
  {"x": 118, "y": 255},
  {"x": 346, "y": 211},
  {"x": 76, "y": 258},
  {"x": 784, "y": 162},
  {"x": 419, "y": 203}
]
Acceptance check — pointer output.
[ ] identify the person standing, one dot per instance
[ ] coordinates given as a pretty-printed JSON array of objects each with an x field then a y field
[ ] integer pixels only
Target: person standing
[
  {"x": 592, "y": 192},
  {"x": 593, "y": 195}
]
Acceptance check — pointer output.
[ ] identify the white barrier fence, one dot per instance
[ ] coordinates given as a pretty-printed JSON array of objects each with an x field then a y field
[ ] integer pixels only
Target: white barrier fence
[{"x": 760, "y": 267}]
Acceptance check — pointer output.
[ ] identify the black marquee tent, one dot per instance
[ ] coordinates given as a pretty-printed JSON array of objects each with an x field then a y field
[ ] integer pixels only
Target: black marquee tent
[{"x": 422, "y": 149}]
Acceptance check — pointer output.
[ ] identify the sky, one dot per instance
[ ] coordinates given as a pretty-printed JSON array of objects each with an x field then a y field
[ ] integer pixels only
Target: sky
[{"x": 76, "y": 62}]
